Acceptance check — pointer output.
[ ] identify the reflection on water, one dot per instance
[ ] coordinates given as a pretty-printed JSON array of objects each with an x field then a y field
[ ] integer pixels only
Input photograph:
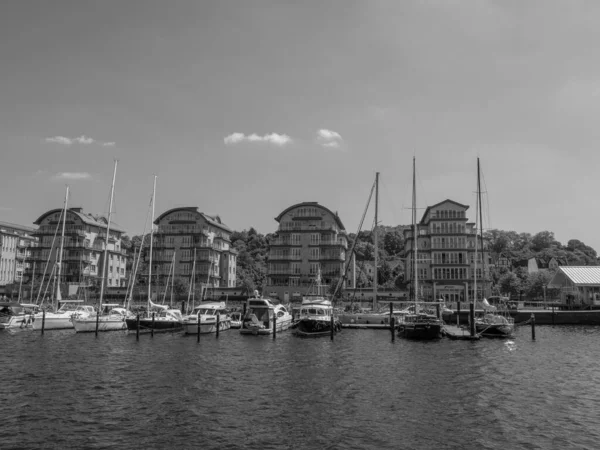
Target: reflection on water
[{"x": 360, "y": 391}]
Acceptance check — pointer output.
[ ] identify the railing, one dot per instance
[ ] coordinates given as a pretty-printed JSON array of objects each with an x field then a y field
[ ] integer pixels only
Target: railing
[
  {"x": 285, "y": 257},
  {"x": 280, "y": 241}
]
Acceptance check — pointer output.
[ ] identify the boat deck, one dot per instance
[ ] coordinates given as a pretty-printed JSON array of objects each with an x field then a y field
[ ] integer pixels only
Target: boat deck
[{"x": 458, "y": 333}]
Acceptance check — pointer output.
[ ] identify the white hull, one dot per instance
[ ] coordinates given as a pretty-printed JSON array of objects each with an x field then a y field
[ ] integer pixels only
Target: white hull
[
  {"x": 281, "y": 325},
  {"x": 17, "y": 322},
  {"x": 53, "y": 322},
  {"x": 88, "y": 325},
  {"x": 205, "y": 328}
]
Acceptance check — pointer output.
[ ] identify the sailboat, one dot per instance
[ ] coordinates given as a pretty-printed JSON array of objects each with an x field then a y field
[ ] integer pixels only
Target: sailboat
[
  {"x": 317, "y": 316},
  {"x": 158, "y": 317},
  {"x": 419, "y": 324},
  {"x": 494, "y": 322},
  {"x": 109, "y": 317},
  {"x": 60, "y": 318}
]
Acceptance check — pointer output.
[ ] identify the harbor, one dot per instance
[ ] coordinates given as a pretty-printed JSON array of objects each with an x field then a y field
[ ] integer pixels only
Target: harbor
[{"x": 361, "y": 390}]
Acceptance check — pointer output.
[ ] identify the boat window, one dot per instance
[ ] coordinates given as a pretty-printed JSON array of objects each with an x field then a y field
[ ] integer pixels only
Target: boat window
[{"x": 320, "y": 312}]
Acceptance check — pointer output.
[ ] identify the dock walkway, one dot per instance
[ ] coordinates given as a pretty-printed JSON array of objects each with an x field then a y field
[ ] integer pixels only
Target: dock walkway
[{"x": 458, "y": 333}]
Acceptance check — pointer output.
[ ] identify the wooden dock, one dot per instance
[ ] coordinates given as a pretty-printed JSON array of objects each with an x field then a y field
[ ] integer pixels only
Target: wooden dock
[{"x": 458, "y": 333}]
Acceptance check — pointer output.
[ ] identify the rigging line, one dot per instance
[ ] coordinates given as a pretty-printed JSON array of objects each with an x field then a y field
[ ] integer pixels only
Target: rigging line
[
  {"x": 48, "y": 260},
  {"x": 345, "y": 271},
  {"x": 137, "y": 264}
]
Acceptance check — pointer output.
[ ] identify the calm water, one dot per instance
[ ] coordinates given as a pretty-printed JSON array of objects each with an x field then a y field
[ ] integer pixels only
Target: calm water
[{"x": 72, "y": 390}]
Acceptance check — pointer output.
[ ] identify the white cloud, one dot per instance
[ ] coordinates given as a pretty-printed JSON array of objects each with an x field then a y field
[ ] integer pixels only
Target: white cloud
[
  {"x": 60, "y": 140},
  {"x": 329, "y": 139},
  {"x": 72, "y": 176},
  {"x": 272, "y": 138},
  {"x": 83, "y": 140}
]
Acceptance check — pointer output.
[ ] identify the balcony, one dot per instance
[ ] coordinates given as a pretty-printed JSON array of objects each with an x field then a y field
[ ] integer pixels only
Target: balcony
[
  {"x": 284, "y": 257},
  {"x": 284, "y": 242},
  {"x": 331, "y": 257}
]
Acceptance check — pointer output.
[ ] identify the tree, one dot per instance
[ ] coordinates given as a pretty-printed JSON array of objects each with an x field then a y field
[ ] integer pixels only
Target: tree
[
  {"x": 510, "y": 284},
  {"x": 537, "y": 282},
  {"x": 181, "y": 287},
  {"x": 542, "y": 240},
  {"x": 393, "y": 243}
]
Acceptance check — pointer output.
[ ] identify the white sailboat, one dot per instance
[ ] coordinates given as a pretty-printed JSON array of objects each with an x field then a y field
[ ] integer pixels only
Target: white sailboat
[
  {"x": 162, "y": 318},
  {"x": 60, "y": 319},
  {"x": 108, "y": 317}
]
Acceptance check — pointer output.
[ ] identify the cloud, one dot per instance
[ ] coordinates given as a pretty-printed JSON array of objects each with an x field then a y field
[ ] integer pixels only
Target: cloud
[
  {"x": 272, "y": 138},
  {"x": 329, "y": 139},
  {"x": 83, "y": 140},
  {"x": 5, "y": 208},
  {"x": 72, "y": 176}
]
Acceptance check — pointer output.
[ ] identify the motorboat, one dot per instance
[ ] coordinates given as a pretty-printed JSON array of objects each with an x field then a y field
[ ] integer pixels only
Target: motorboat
[
  {"x": 112, "y": 320},
  {"x": 61, "y": 319},
  {"x": 16, "y": 315},
  {"x": 210, "y": 315},
  {"x": 420, "y": 326},
  {"x": 316, "y": 319},
  {"x": 236, "y": 319},
  {"x": 260, "y": 313}
]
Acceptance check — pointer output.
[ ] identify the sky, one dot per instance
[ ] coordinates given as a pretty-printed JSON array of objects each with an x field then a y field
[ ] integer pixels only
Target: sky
[{"x": 244, "y": 108}]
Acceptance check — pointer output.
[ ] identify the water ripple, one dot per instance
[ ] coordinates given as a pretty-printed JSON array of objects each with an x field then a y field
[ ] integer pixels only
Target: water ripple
[{"x": 66, "y": 390}]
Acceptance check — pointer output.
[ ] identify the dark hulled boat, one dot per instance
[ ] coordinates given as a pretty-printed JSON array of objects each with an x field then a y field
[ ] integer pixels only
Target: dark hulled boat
[{"x": 420, "y": 326}]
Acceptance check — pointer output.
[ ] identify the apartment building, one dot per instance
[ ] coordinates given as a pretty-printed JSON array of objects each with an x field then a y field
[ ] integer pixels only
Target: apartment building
[
  {"x": 83, "y": 249},
  {"x": 446, "y": 263},
  {"x": 15, "y": 252},
  {"x": 310, "y": 239},
  {"x": 185, "y": 235}
]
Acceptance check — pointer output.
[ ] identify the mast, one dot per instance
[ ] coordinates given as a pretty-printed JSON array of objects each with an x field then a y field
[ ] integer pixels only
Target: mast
[
  {"x": 191, "y": 288},
  {"x": 60, "y": 252},
  {"x": 414, "y": 221},
  {"x": 105, "y": 263},
  {"x": 32, "y": 282},
  {"x": 480, "y": 211},
  {"x": 151, "y": 244},
  {"x": 376, "y": 278}
]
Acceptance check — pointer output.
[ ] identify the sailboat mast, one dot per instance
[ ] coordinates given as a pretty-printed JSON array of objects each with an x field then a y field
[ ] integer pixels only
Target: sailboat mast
[
  {"x": 414, "y": 221},
  {"x": 375, "y": 241},
  {"x": 477, "y": 225},
  {"x": 105, "y": 262},
  {"x": 151, "y": 242},
  {"x": 60, "y": 252},
  {"x": 481, "y": 228}
]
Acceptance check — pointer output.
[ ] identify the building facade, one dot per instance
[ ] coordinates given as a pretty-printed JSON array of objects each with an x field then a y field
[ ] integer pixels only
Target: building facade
[
  {"x": 310, "y": 239},
  {"x": 449, "y": 262},
  {"x": 83, "y": 249},
  {"x": 185, "y": 235},
  {"x": 16, "y": 242}
]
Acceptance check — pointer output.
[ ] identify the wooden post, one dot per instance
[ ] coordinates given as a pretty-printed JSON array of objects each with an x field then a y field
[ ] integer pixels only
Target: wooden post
[
  {"x": 532, "y": 320},
  {"x": 198, "y": 338},
  {"x": 152, "y": 329},
  {"x": 274, "y": 327},
  {"x": 458, "y": 313},
  {"x": 137, "y": 327},
  {"x": 393, "y": 328},
  {"x": 182, "y": 307},
  {"x": 438, "y": 311},
  {"x": 392, "y": 320},
  {"x": 472, "y": 318},
  {"x": 553, "y": 315},
  {"x": 97, "y": 321},
  {"x": 43, "y": 320},
  {"x": 218, "y": 324},
  {"x": 331, "y": 326}
]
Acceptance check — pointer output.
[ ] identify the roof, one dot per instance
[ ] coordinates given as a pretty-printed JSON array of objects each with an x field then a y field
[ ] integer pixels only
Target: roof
[
  {"x": 90, "y": 219},
  {"x": 298, "y": 205},
  {"x": 441, "y": 203},
  {"x": 578, "y": 275},
  {"x": 212, "y": 220},
  {"x": 14, "y": 226}
]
